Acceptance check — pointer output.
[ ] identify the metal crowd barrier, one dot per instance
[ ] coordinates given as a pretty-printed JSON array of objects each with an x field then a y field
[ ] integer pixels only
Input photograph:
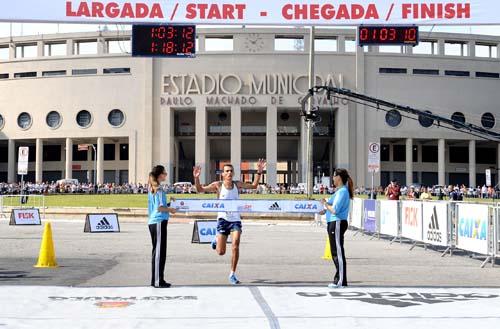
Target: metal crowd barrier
[
  {"x": 444, "y": 224},
  {"x": 9, "y": 202}
]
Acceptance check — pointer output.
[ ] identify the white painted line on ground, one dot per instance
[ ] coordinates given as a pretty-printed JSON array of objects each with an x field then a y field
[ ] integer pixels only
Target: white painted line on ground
[{"x": 248, "y": 307}]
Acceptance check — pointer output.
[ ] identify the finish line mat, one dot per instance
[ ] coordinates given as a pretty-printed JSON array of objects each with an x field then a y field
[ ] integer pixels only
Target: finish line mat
[{"x": 247, "y": 307}]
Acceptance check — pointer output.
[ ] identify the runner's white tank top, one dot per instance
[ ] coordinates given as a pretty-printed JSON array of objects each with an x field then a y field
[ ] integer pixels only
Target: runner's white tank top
[{"x": 232, "y": 194}]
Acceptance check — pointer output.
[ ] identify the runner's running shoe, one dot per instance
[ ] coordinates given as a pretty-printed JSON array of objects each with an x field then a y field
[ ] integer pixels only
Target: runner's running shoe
[{"x": 233, "y": 279}]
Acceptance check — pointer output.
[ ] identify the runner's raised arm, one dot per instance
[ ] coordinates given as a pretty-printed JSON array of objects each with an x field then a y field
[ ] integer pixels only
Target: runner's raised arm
[
  {"x": 260, "y": 168},
  {"x": 210, "y": 188}
]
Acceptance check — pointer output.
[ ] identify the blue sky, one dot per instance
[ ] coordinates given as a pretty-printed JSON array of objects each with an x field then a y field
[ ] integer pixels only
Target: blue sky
[{"x": 35, "y": 29}]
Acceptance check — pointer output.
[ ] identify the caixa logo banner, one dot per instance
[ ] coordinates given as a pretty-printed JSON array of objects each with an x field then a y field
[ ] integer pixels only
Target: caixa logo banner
[
  {"x": 249, "y": 206},
  {"x": 205, "y": 231},
  {"x": 473, "y": 228},
  {"x": 101, "y": 223}
]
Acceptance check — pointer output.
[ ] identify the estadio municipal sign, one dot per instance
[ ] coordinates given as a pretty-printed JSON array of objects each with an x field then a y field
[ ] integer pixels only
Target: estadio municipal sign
[{"x": 277, "y": 12}]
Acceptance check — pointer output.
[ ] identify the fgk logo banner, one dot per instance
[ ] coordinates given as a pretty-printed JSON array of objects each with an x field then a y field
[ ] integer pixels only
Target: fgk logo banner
[
  {"x": 411, "y": 220},
  {"x": 277, "y": 12},
  {"x": 25, "y": 217}
]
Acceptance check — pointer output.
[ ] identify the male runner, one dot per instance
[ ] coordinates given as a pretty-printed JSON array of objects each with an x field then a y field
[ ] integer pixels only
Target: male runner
[{"x": 228, "y": 222}]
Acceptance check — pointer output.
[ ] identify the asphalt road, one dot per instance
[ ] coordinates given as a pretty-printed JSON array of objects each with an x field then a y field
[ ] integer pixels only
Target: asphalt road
[{"x": 286, "y": 254}]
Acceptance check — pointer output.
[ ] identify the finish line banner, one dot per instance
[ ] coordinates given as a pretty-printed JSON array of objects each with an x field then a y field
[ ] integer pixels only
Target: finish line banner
[
  {"x": 249, "y": 206},
  {"x": 277, "y": 12}
]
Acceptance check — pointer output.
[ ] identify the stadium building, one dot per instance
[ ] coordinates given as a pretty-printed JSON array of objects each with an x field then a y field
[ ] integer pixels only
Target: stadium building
[{"x": 238, "y": 101}]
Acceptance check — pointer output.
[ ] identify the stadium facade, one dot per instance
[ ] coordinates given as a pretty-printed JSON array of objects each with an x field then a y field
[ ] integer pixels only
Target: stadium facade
[{"x": 238, "y": 101}]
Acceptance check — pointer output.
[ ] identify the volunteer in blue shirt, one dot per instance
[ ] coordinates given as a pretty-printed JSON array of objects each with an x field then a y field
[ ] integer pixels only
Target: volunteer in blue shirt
[
  {"x": 337, "y": 212},
  {"x": 158, "y": 212}
]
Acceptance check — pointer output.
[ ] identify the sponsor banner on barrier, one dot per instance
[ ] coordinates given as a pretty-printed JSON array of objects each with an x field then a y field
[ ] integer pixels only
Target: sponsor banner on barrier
[
  {"x": 250, "y": 206},
  {"x": 205, "y": 231},
  {"x": 101, "y": 223},
  {"x": 389, "y": 217},
  {"x": 25, "y": 217},
  {"x": 435, "y": 223},
  {"x": 411, "y": 220},
  {"x": 472, "y": 228},
  {"x": 370, "y": 216},
  {"x": 357, "y": 213},
  {"x": 277, "y": 12}
]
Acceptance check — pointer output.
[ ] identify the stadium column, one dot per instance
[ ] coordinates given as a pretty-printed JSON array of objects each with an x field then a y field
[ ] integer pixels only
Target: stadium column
[
  {"x": 272, "y": 145},
  {"x": 200, "y": 140},
  {"x": 68, "y": 172},
  {"x": 361, "y": 148},
  {"x": 409, "y": 161},
  {"x": 472, "y": 163},
  {"x": 236, "y": 140},
  {"x": 168, "y": 141},
  {"x": 441, "y": 162},
  {"x": 11, "y": 169},
  {"x": 39, "y": 160},
  {"x": 132, "y": 157},
  {"x": 498, "y": 162},
  {"x": 100, "y": 160}
]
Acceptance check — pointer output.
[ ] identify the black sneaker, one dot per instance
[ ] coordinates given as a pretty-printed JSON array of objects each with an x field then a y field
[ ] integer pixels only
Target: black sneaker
[{"x": 163, "y": 285}]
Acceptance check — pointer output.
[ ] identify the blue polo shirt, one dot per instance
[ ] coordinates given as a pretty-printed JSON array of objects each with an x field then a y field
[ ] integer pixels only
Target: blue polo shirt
[
  {"x": 156, "y": 200},
  {"x": 340, "y": 202}
]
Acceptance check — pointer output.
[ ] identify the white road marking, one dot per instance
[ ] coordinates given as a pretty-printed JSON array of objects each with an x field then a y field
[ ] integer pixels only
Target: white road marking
[{"x": 222, "y": 307}]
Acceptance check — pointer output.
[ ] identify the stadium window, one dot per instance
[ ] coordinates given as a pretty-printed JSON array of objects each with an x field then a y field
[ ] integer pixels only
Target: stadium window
[
  {"x": 4, "y": 53},
  {"x": 24, "y": 120},
  {"x": 53, "y": 73},
  {"x": 55, "y": 49},
  {"x": 486, "y": 155},
  {"x": 429, "y": 154},
  {"x": 53, "y": 119},
  {"x": 424, "y": 120},
  {"x": 486, "y": 50},
  {"x": 25, "y": 75},
  {"x": 4, "y": 75},
  {"x": 425, "y": 48},
  {"x": 393, "y": 118},
  {"x": 325, "y": 44},
  {"x": 109, "y": 152},
  {"x": 459, "y": 154},
  {"x": 392, "y": 70},
  {"x": 425, "y": 72},
  {"x": 116, "y": 118},
  {"x": 118, "y": 46},
  {"x": 79, "y": 155},
  {"x": 85, "y": 47},
  {"x": 458, "y": 117},
  {"x": 490, "y": 75},
  {"x": 84, "y": 71},
  {"x": 415, "y": 153},
  {"x": 399, "y": 153},
  {"x": 26, "y": 51},
  {"x": 52, "y": 153},
  {"x": 117, "y": 70},
  {"x": 455, "y": 48},
  {"x": 385, "y": 153},
  {"x": 219, "y": 43},
  {"x": 350, "y": 45},
  {"x": 457, "y": 73},
  {"x": 124, "y": 152},
  {"x": 4, "y": 154},
  {"x": 390, "y": 49},
  {"x": 84, "y": 119},
  {"x": 288, "y": 43},
  {"x": 488, "y": 120}
]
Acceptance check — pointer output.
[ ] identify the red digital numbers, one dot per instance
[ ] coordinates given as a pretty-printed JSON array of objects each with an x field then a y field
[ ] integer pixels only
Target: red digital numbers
[{"x": 390, "y": 35}]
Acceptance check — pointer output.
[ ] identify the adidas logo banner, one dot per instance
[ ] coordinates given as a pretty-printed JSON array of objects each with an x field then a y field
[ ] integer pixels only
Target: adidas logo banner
[
  {"x": 275, "y": 207},
  {"x": 101, "y": 223},
  {"x": 435, "y": 223}
]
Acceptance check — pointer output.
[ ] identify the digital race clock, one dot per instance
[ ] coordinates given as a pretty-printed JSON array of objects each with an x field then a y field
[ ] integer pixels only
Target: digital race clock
[
  {"x": 164, "y": 40},
  {"x": 387, "y": 35}
]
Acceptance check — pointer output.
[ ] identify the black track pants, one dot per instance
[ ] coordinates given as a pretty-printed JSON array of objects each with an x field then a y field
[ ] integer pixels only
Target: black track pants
[
  {"x": 159, "y": 240},
  {"x": 336, "y": 231}
]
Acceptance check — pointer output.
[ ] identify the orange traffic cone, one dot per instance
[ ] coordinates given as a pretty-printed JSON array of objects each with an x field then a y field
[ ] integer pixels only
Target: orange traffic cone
[
  {"x": 47, "y": 256},
  {"x": 327, "y": 254}
]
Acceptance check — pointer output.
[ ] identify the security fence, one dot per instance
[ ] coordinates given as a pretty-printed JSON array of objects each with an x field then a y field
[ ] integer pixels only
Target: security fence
[{"x": 450, "y": 225}]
